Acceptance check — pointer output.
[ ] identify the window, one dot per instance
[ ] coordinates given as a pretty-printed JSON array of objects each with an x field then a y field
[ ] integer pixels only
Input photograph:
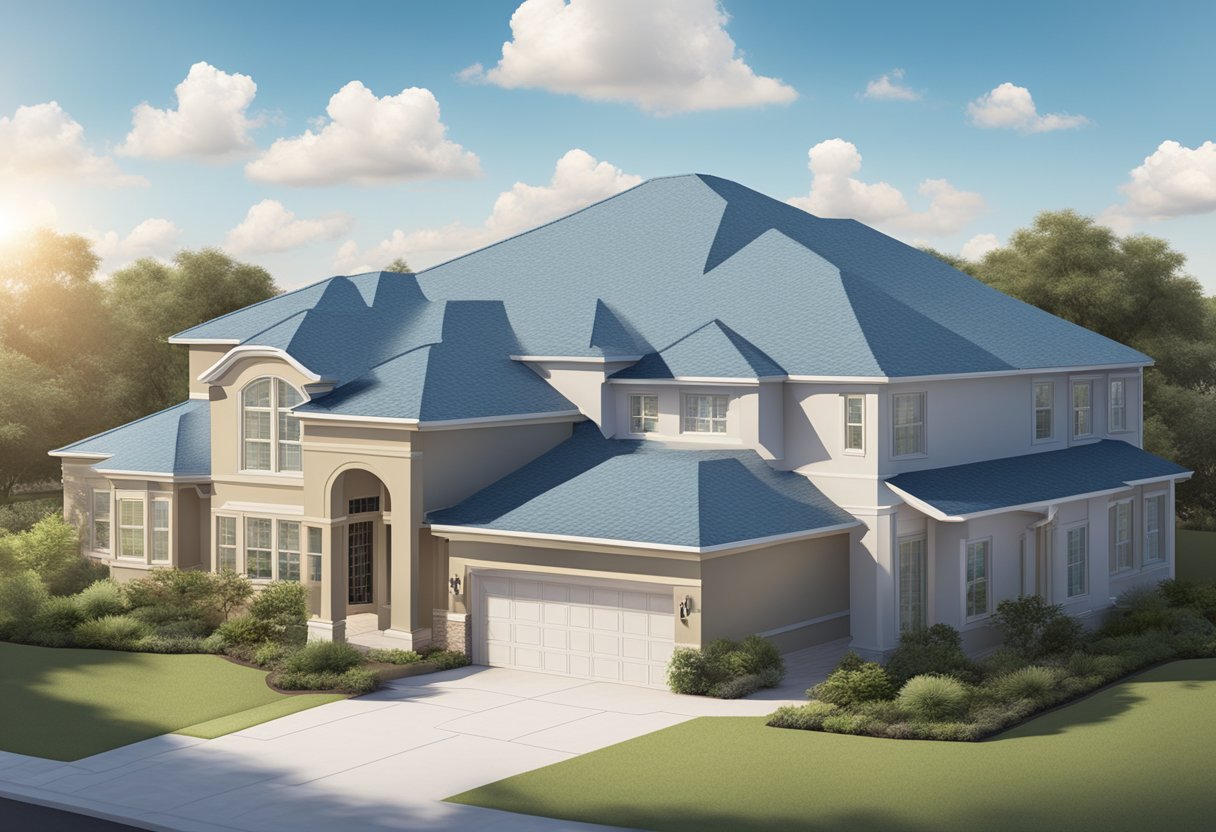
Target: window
[
  {"x": 362, "y": 505},
  {"x": 289, "y": 550},
  {"x": 258, "y": 554},
  {"x": 1044, "y": 398},
  {"x": 160, "y": 530},
  {"x": 1154, "y": 521},
  {"x": 131, "y": 528},
  {"x": 1082, "y": 409},
  {"x": 643, "y": 414},
  {"x": 225, "y": 544},
  {"x": 912, "y": 582},
  {"x": 855, "y": 423},
  {"x": 1118, "y": 405},
  {"x": 705, "y": 414},
  {"x": 314, "y": 554},
  {"x": 270, "y": 433},
  {"x": 1121, "y": 555},
  {"x": 1077, "y": 544},
  {"x": 101, "y": 520},
  {"x": 909, "y": 421},
  {"x": 979, "y": 563}
]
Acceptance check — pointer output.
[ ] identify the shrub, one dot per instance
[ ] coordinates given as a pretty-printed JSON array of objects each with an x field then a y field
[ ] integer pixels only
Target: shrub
[
  {"x": 245, "y": 630},
  {"x": 770, "y": 677},
  {"x": 21, "y": 516},
  {"x": 22, "y": 595},
  {"x": 393, "y": 656},
  {"x": 1197, "y": 596},
  {"x": 281, "y": 604},
  {"x": 175, "y": 594},
  {"x": 688, "y": 672},
  {"x": 270, "y": 654},
  {"x": 1032, "y": 682},
  {"x": 846, "y": 688},
  {"x": 447, "y": 659},
  {"x": 1060, "y": 635},
  {"x": 355, "y": 680},
  {"x": 808, "y": 717},
  {"x": 934, "y": 650},
  {"x": 1089, "y": 664},
  {"x": 323, "y": 657},
  {"x": 181, "y": 627},
  {"x": 698, "y": 672},
  {"x": 933, "y": 698},
  {"x": 1001, "y": 662},
  {"x": 846, "y": 723},
  {"x": 101, "y": 598},
  {"x": 110, "y": 632},
  {"x": 1035, "y": 628},
  {"x": 736, "y": 687},
  {"x": 51, "y": 548},
  {"x": 162, "y": 644},
  {"x": 58, "y": 615}
]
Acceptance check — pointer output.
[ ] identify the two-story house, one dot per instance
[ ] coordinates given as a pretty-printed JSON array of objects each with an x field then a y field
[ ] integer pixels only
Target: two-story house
[{"x": 685, "y": 412}]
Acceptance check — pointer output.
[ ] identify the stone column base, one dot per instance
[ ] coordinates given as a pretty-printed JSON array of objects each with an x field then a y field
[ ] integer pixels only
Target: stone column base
[
  {"x": 411, "y": 639},
  {"x": 452, "y": 631},
  {"x": 319, "y": 630}
]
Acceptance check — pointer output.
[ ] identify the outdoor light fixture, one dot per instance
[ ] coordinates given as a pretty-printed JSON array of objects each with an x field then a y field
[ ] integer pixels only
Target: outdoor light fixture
[
  {"x": 685, "y": 607},
  {"x": 454, "y": 583}
]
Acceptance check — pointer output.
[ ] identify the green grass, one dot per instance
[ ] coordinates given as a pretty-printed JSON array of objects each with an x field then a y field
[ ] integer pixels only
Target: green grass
[
  {"x": 1195, "y": 554},
  {"x": 1135, "y": 756},
  {"x": 68, "y": 704}
]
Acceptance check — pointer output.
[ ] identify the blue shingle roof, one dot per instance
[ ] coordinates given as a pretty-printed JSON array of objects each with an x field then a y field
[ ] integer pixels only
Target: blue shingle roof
[
  {"x": 174, "y": 441},
  {"x": 644, "y": 492},
  {"x": 1034, "y": 479},
  {"x": 711, "y": 351}
]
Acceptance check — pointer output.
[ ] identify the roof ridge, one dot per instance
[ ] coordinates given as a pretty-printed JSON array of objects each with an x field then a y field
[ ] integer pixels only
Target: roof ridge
[{"x": 255, "y": 305}]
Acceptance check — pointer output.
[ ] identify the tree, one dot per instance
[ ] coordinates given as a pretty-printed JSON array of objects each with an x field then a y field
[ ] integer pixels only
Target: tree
[
  {"x": 33, "y": 404},
  {"x": 399, "y": 265},
  {"x": 1133, "y": 290}
]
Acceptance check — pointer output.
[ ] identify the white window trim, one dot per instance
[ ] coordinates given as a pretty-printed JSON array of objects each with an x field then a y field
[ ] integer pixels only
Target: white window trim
[
  {"x": 1127, "y": 422},
  {"x": 1080, "y": 524},
  {"x": 155, "y": 498},
  {"x": 238, "y": 555},
  {"x": 923, "y": 537},
  {"x": 1164, "y": 521},
  {"x": 1114, "y": 538},
  {"x": 242, "y": 559},
  {"x": 109, "y": 550},
  {"x": 726, "y": 420},
  {"x": 1034, "y": 412},
  {"x": 844, "y": 443},
  {"x": 273, "y": 471},
  {"x": 924, "y": 424},
  {"x": 988, "y": 568},
  {"x": 629, "y": 413},
  {"x": 117, "y": 525},
  {"x": 1092, "y": 381}
]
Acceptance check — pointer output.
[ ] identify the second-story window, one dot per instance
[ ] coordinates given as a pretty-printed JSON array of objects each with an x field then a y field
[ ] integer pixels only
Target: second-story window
[
  {"x": 1044, "y": 420},
  {"x": 270, "y": 432},
  {"x": 1082, "y": 409},
  {"x": 909, "y": 424},
  {"x": 1118, "y": 405},
  {"x": 855, "y": 424},
  {"x": 705, "y": 414},
  {"x": 643, "y": 413}
]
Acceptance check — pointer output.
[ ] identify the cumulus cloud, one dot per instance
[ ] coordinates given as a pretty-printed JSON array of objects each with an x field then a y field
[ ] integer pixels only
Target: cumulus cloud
[
  {"x": 155, "y": 237},
  {"x": 43, "y": 142},
  {"x": 1010, "y": 107},
  {"x": 978, "y": 246},
  {"x": 210, "y": 122},
  {"x": 887, "y": 86},
  {"x": 667, "y": 57},
  {"x": 1173, "y": 181},
  {"x": 836, "y": 193},
  {"x": 270, "y": 227},
  {"x": 368, "y": 141},
  {"x": 578, "y": 180}
]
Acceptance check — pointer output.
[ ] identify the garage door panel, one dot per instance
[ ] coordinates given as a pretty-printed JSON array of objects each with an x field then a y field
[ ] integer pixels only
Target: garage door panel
[
  {"x": 530, "y": 659},
  {"x": 635, "y": 623},
  {"x": 498, "y": 607},
  {"x": 525, "y": 589},
  {"x": 580, "y": 616},
  {"x": 498, "y": 629},
  {"x": 606, "y": 669},
  {"x": 633, "y": 601},
  {"x": 602, "y": 619},
  {"x": 557, "y": 639},
  {"x": 526, "y": 610},
  {"x": 528, "y": 634},
  {"x": 634, "y": 648},
  {"x": 580, "y": 642},
  {"x": 605, "y": 645},
  {"x": 557, "y": 614},
  {"x": 659, "y": 603},
  {"x": 557, "y": 663},
  {"x": 498, "y": 654},
  {"x": 580, "y": 595},
  {"x": 663, "y": 626},
  {"x": 660, "y": 652},
  {"x": 555, "y": 592},
  {"x": 635, "y": 674},
  {"x": 605, "y": 597}
]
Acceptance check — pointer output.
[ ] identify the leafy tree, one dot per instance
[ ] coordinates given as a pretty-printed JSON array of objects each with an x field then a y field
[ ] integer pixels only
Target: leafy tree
[
  {"x": 399, "y": 265},
  {"x": 33, "y": 406}
]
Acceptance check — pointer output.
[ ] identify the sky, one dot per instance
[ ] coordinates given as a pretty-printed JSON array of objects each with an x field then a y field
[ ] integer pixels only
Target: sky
[{"x": 321, "y": 138}]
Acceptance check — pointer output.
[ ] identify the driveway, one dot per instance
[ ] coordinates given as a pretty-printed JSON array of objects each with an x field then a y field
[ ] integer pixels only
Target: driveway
[{"x": 382, "y": 761}]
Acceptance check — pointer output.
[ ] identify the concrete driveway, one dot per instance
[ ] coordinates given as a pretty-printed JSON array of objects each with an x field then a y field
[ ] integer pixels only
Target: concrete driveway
[{"x": 382, "y": 761}]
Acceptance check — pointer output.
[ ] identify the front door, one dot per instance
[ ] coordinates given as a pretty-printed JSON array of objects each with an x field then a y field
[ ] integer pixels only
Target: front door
[{"x": 359, "y": 554}]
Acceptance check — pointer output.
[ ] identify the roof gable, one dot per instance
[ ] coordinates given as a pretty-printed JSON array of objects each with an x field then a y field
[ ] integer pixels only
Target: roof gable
[{"x": 710, "y": 351}]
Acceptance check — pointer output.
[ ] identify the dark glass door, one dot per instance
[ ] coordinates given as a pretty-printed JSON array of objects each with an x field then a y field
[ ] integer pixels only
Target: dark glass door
[{"x": 359, "y": 553}]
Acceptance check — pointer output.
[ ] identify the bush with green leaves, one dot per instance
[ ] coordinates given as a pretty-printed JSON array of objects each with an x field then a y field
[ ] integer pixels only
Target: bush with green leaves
[
  {"x": 933, "y": 698},
  {"x": 736, "y": 687},
  {"x": 1034, "y": 682},
  {"x": 188, "y": 595},
  {"x": 707, "y": 672},
  {"x": 58, "y": 615},
  {"x": 110, "y": 632},
  {"x": 446, "y": 659},
  {"x": 283, "y": 605},
  {"x": 393, "y": 656},
  {"x": 808, "y": 717},
  {"x": 22, "y": 515},
  {"x": 1199, "y": 596},
  {"x": 932, "y": 650},
  {"x": 356, "y": 681},
  {"x": 22, "y": 595},
  {"x": 245, "y": 631},
  {"x": 854, "y": 684},
  {"x": 101, "y": 598},
  {"x": 323, "y": 657}
]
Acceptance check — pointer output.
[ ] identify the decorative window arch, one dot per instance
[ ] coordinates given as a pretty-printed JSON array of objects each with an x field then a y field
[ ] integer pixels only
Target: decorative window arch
[{"x": 270, "y": 432}]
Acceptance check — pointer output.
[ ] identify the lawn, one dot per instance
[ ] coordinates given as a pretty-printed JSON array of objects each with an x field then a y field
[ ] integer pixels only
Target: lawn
[
  {"x": 1134, "y": 756},
  {"x": 66, "y": 704}
]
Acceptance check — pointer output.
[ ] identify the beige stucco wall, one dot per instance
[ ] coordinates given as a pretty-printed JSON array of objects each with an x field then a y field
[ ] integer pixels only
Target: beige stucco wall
[{"x": 203, "y": 356}]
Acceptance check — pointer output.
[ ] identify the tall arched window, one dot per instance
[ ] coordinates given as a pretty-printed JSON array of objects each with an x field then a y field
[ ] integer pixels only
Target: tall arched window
[{"x": 270, "y": 432}]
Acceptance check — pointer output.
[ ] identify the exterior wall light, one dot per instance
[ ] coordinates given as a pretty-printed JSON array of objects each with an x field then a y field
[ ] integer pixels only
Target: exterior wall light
[
  {"x": 686, "y": 608},
  {"x": 454, "y": 583}
]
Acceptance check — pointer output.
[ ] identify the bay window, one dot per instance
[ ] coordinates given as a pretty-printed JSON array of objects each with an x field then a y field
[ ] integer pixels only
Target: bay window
[{"x": 131, "y": 528}]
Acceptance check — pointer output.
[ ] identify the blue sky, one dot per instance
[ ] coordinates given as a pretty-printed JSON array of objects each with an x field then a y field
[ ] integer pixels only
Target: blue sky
[{"x": 1122, "y": 78}]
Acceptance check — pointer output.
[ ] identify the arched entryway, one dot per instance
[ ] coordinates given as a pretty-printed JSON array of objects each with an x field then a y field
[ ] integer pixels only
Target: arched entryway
[{"x": 361, "y": 508}]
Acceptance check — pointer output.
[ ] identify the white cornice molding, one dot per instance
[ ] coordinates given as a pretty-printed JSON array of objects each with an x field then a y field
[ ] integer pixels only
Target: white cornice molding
[
  {"x": 577, "y": 359},
  {"x": 216, "y": 371}
]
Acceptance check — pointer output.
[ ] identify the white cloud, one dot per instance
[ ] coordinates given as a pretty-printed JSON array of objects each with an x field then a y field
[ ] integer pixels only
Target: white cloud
[
  {"x": 155, "y": 237},
  {"x": 978, "y": 246},
  {"x": 835, "y": 193},
  {"x": 270, "y": 227},
  {"x": 1009, "y": 107},
  {"x": 578, "y": 180},
  {"x": 44, "y": 142},
  {"x": 368, "y": 141},
  {"x": 667, "y": 57},
  {"x": 887, "y": 86},
  {"x": 210, "y": 121},
  {"x": 1173, "y": 181}
]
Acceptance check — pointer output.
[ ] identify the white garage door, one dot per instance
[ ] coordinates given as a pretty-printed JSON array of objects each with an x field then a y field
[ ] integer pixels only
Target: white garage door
[{"x": 603, "y": 631}]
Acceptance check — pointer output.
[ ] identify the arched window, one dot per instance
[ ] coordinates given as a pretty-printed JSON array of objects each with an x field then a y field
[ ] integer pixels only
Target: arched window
[{"x": 270, "y": 432}]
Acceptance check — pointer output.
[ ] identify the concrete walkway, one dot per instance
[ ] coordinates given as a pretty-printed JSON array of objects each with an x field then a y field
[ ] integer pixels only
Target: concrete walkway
[{"x": 383, "y": 761}]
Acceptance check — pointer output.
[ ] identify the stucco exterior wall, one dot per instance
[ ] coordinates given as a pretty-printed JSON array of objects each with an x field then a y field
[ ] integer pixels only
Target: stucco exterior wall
[{"x": 203, "y": 356}]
